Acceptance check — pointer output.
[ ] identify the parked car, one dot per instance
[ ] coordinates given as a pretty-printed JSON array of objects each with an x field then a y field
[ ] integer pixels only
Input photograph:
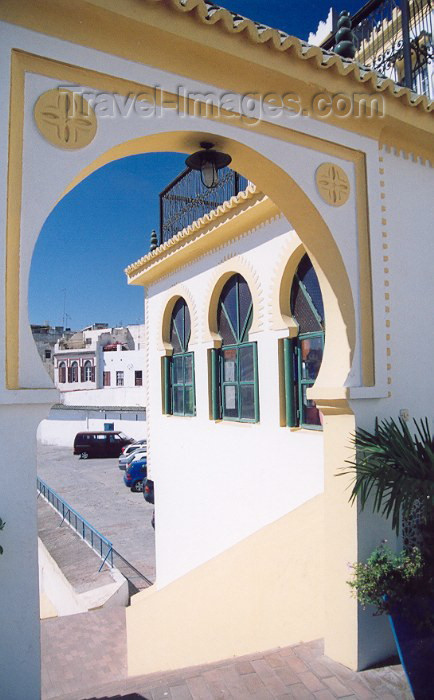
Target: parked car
[
  {"x": 103, "y": 443},
  {"x": 135, "y": 474},
  {"x": 148, "y": 491},
  {"x": 132, "y": 457},
  {"x": 129, "y": 455},
  {"x": 133, "y": 446}
]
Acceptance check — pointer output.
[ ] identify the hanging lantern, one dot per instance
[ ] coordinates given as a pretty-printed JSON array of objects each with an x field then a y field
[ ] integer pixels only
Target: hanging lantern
[{"x": 208, "y": 162}]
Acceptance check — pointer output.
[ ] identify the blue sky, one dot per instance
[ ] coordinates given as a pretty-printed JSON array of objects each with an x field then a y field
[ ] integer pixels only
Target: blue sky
[{"x": 118, "y": 207}]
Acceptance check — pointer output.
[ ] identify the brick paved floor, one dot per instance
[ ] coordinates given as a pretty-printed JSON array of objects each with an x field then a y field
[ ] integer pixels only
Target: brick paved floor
[{"x": 84, "y": 658}]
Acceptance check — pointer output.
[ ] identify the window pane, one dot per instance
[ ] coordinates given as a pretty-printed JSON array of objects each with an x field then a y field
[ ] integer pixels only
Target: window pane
[
  {"x": 229, "y": 299},
  {"x": 311, "y": 415},
  {"x": 189, "y": 401},
  {"x": 188, "y": 369},
  {"x": 230, "y": 401},
  {"x": 245, "y": 302},
  {"x": 311, "y": 357},
  {"x": 230, "y": 365},
  {"x": 178, "y": 321},
  {"x": 178, "y": 373},
  {"x": 246, "y": 363},
  {"x": 224, "y": 327},
  {"x": 187, "y": 327},
  {"x": 247, "y": 401},
  {"x": 178, "y": 399},
  {"x": 309, "y": 278}
]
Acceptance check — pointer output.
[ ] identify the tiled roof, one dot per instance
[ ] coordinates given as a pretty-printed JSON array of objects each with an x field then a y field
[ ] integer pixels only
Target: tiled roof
[
  {"x": 231, "y": 204},
  {"x": 233, "y": 23}
]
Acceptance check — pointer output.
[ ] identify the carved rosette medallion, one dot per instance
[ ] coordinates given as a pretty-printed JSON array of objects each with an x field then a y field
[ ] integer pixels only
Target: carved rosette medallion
[
  {"x": 332, "y": 184},
  {"x": 65, "y": 119}
]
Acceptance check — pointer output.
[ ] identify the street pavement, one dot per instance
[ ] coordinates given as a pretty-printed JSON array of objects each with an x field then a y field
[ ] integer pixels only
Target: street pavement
[{"x": 95, "y": 488}]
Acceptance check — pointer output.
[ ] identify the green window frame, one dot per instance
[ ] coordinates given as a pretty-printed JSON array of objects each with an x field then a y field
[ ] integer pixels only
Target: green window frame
[
  {"x": 182, "y": 384},
  {"x": 179, "y": 396},
  {"x": 234, "y": 368},
  {"x": 302, "y": 356}
]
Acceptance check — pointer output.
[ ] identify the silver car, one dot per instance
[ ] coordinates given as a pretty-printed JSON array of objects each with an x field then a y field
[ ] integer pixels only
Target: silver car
[{"x": 136, "y": 452}]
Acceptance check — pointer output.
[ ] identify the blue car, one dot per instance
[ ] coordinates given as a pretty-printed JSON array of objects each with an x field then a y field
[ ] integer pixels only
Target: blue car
[{"x": 135, "y": 474}]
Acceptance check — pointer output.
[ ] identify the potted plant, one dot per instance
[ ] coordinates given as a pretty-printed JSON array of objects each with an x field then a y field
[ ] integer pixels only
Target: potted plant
[{"x": 394, "y": 475}]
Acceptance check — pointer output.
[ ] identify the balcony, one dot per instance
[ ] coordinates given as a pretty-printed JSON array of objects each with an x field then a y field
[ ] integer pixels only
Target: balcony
[
  {"x": 186, "y": 199},
  {"x": 395, "y": 38}
]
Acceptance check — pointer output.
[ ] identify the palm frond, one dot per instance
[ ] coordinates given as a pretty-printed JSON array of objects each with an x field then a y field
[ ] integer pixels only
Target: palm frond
[{"x": 393, "y": 469}]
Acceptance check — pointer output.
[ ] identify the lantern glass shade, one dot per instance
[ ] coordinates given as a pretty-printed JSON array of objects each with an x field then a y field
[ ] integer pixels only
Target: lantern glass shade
[
  {"x": 208, "y": 173},
  {"x": 208, "y": 162}
]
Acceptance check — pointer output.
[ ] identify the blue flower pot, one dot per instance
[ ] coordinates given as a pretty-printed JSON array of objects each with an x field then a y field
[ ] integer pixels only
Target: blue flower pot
[{"x": 415, "y": 644}]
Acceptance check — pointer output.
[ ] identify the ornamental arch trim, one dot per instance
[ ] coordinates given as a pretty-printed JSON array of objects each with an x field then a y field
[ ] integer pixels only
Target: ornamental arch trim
[
  {"x": 163, "y": 340},
  {"x": 287, "y": 195},
  {"x": 228, "y": 267}
]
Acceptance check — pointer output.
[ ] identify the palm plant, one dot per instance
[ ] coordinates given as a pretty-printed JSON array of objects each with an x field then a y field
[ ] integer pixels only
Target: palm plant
[
  {"x": 396, "y": 470},
  {"x": 394, "y": 475}
]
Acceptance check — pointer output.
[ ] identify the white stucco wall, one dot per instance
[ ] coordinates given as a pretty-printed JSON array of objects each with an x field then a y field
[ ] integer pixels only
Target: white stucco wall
[
  {"x": 126, "y": 361},
  {"x": 61, "y": 427},
  {"x": 109, "y": 396},
  {"x": 65, "y": 600},
  {"x": 404, "y": 301},
  {"x": 216, "y": 483}
]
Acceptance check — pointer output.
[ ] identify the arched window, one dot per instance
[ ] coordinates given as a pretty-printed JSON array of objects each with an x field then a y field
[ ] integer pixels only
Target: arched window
[
  {"x": 87, "y": 372},
  {"x": 62, "y": 373},
  {"x": 238, "y": 374},
  {"x": 73, "y": 372},
  {"x": 179, "y": 369},
  {"x": 303, "y": 355}
]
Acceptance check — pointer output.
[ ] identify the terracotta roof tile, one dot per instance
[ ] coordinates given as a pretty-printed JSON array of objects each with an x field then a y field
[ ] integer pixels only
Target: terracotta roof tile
[{"x": 210, "y": 13}]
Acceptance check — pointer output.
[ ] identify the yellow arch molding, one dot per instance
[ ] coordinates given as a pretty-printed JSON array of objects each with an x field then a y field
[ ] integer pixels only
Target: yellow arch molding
[
  {"x": 235, "y": 265},
  {"x": 306, "y": 220},
  {"x": 178, "y": 292},
  {"x": 268, "y": 177}
]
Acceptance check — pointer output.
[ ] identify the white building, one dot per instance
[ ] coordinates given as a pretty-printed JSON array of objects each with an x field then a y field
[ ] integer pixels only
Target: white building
[
  {"x": 100, "y": 357},
  {"x": 99, "y": 372}
]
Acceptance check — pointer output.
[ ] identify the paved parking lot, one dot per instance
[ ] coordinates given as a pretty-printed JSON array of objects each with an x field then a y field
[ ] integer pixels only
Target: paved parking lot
[{"x": 95, "y": 488}]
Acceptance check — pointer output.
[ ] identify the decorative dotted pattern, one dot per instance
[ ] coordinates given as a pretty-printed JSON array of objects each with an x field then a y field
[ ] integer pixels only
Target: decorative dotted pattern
[{"x": 386, "y": 278}]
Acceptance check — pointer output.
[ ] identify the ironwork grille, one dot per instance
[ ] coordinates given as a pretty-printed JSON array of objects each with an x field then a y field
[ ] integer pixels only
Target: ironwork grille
[
  {"x": 395, "y": 38},
  {"x": 186, "y": 199}
]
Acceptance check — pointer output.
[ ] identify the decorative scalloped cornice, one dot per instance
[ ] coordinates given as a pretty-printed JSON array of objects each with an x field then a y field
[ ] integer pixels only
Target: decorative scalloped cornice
[
  {"x": 231, "y": 204},
  {"x": 210, "y": 14}
]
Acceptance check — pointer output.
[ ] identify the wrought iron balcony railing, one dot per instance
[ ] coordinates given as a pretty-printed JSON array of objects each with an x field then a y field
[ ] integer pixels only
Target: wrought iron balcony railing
[
  {"x": 395, "y": 38},
  {"x": 187, "y": 199}
]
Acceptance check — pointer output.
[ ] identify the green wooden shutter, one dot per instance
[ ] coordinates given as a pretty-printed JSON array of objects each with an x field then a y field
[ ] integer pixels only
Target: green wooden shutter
[
  {"x": 215, "y": 400},
  {"x": 167, "y": 403},
  {"x": 288, "y": 363}
]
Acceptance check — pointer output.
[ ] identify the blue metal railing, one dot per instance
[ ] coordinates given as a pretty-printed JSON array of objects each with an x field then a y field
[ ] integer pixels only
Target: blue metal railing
[{"x": 100, "y": 544}]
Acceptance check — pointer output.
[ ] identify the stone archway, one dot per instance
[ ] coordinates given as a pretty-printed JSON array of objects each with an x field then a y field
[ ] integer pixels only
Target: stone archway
[
  {"x": 255, "y": 154},
  {"x": 318, "y": 240}
]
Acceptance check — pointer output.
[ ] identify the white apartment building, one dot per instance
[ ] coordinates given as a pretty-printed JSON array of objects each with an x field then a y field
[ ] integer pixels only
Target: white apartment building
[
  {"x": 98, "y": 357},
  {"x": 99, "y": 372}
]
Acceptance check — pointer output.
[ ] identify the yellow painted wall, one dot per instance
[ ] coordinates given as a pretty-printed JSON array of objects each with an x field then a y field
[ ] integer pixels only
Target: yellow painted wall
[{"x": 265, "y": 592}]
